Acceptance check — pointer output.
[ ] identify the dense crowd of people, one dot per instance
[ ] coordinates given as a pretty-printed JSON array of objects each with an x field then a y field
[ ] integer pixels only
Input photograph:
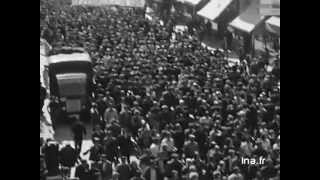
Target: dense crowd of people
[{"x": 178, "y": 107}]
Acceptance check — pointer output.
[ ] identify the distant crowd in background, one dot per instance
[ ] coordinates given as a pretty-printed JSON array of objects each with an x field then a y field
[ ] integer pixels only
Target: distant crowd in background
[{"x": 160, "y": 96}]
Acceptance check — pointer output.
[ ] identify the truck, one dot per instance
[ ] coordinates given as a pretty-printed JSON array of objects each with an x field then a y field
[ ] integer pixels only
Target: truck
[{"x": 70, "y": 77}]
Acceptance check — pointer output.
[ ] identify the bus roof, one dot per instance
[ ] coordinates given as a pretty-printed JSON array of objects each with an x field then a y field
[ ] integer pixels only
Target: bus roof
[{"x": 59, "y": 58}]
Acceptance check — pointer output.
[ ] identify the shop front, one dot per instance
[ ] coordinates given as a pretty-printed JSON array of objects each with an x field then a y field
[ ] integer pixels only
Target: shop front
[
  {"x": 219, "y": 13},
  {"x": 246, "y": 29},
  {"x": 272, "y": 26},
  {"x": 186, "y": 7},
  {"x": 185, "y": 10},
  {"x": 267, "y": 38}
]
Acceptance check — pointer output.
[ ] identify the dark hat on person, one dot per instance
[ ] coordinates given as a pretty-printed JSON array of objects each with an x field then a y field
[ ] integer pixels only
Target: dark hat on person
[
  {"x": 164, "y": 107},
  {"x": 236, "y": 169},
  {"x": 213, "y": 143},
  {"x": 115, "y": 174},
  {"x": 191, "y": 136},
  {"x": 95, "y": 139},
  {"x": 157, "y": 137},
  {"x": 216, "y": 173},
  {"x": 123, "y": 157},
  {"x": 94, "y": 104},
  {"x": 103, "y": 155},
  {"x": 174, "y": 155},
  {"x": 106, "y": 138}
]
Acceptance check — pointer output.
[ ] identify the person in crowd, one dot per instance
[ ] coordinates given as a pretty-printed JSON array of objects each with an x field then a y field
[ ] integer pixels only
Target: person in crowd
[
  {"x": 98, "y": 134},
  {"x": 51, "y": 157},
  {"x": 43, "y": 168},
  {"x": 110, "y": 147},
  {"x": 236, "y": 175},
  {"x": 54, "y": 110},
  {"x": 79, "y": 131},
  {"x": 95, "y": 151},
  {"x": 123, "y": 168},
  {"x": 43, "y": 95},
  {"x": 126, "y": 146},
  {"x": 95, "y": 171},
  {"x": 111, "y": 114},
  {"x": 115, "y": 176},
  {"x": 114, "y": 128},
  {"x": 149, "y": 169},
  {"x": 178, "y": 137},
  {"x": 174, "y": 164},
  {"x": 135, "y": 171},
  {"x": 105, "y": 167},
  {"x": 68, "y": 158},
  {"x": 135, "y": 123},
  {"x": 190, "y": 147},
  {"x": 155, "y": 146},
  {"x": 269, "y": 170},
  {"x": 94, "y": 115},
  {"x": 168, "y": 142},
  {"x": 83, "y": 171},
  {"x": 125, "y": 116}
]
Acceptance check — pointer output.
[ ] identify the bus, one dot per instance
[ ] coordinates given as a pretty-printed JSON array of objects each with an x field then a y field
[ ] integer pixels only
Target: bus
[{"x": 70, "y": 77}]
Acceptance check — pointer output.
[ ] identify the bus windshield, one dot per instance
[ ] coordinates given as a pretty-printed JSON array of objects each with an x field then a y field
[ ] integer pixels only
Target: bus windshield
[{"x": 72, "y": 84}]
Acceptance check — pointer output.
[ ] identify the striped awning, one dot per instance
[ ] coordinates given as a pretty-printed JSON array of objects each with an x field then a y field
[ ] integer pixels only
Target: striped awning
[
  {"x": 214, "y": 8},
  {"x": 249, "y": 19},
  {"x": 273, "y": 25},
  {"x": 192, "y": 2},
  {"x": 274, "y": 21}
]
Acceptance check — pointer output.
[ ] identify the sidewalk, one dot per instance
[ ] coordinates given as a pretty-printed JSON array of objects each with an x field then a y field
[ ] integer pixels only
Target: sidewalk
[{"x": 46, "y": 130}]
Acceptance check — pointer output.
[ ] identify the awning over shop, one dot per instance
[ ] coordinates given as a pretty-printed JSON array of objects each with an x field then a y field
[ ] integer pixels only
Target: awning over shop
[
  {"x": 214, "y": 8},
  {"x": 273, "y": 25},
  {"x": 249, "y": 19},
  {"x": 275, "y": 21}
]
